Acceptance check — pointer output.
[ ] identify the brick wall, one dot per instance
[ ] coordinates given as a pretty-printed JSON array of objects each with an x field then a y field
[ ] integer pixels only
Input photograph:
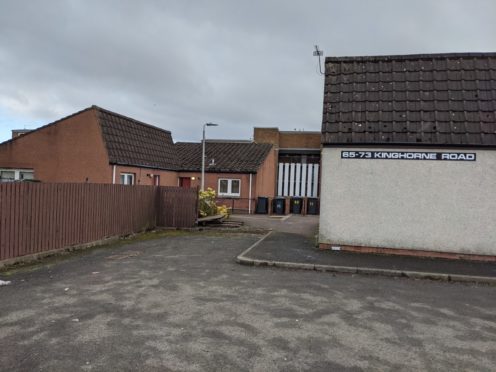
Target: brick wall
[
  {"x": 307, "y": 140},
  {"x": 265, "y": 179},
  {"x": 144, "y": 176},
  {"x": 287, "y": 139},
  {"x": 266, "y": 135},
  {"x": 72, "y": 150}
]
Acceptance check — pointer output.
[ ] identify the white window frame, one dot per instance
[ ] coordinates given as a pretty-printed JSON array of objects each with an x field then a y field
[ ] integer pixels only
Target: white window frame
[
  {"x": 229, "y": 187},
  {"x": 17, "y": 173},
  {"x": 126, "y": 175}
]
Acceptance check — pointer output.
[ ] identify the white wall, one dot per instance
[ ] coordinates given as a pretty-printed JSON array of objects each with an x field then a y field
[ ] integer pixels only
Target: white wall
[{"x": 447, "y": 206}]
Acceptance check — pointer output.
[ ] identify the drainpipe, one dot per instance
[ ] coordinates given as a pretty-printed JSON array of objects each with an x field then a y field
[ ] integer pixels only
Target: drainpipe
[
  {"x": 113, "y": 175},
  {"x": 249, "y": 196}
]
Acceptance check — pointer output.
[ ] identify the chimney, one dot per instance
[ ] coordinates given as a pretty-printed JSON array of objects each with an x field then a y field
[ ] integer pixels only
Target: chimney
[{"x": 19, "y": 132}]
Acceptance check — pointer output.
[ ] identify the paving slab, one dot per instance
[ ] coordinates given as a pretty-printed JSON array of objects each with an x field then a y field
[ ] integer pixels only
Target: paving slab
[{"x": 283, "y": 248}]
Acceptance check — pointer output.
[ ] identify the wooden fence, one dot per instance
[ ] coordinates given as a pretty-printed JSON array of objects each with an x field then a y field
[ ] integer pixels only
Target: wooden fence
[
  {"x": 40, "y": 217},
  {"x": 178, "y": 206}
]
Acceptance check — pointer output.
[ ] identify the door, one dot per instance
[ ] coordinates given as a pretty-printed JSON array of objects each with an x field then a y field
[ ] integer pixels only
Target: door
[{"x": 185, "y": 182}]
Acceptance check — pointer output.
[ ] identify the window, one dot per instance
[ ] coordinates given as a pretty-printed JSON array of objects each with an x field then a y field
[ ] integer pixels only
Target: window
[
  {"x": 26, "y": 175},
  {"x": 156, "y": 180},
  {"x": 11, "y": 175},
  {"x": 7, "y": 176},
  {"x": 229, "y": 187},
  {"x": 127, "y": 178}
]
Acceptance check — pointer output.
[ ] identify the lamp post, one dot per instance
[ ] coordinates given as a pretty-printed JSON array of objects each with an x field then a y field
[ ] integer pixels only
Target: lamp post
[{"x": 203, "y": 154}]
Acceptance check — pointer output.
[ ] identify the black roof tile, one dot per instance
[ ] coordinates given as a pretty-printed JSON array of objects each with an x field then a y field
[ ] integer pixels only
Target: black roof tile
[
  {"x": 443, "y": 99},
  {"x": 228, "y": 156}
]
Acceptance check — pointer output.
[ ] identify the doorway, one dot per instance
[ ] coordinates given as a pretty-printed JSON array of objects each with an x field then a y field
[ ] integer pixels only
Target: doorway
[{"x": 185, "y": 182}]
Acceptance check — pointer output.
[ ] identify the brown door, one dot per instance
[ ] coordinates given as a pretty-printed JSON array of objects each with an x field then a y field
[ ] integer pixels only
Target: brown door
[{"x": 185, "y": 182}]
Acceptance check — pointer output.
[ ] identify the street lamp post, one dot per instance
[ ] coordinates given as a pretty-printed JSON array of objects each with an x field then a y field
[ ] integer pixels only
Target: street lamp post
[{"x": 203, "y": 154}]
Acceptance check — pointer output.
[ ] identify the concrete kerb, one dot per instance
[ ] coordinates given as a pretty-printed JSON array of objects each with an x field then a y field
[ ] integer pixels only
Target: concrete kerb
[{"x": 244, "y": 260}]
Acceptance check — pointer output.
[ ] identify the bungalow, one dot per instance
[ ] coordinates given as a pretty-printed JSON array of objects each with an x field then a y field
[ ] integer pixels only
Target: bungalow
[
  {"x": 408, "y": 158},
  {"x": 99, "y": 146},
  {"x": 239, "y": 171},
  {"x": 93, "y": 145}
]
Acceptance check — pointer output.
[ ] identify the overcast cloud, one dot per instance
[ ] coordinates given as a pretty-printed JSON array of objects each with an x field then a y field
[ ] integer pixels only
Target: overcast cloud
[{"x": 179, "y": 64}]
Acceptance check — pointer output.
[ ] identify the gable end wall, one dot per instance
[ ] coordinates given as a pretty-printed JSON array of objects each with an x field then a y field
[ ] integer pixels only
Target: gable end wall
[
  {"x": 71, "y": 150},
  {"x": 442, "y": 206}
]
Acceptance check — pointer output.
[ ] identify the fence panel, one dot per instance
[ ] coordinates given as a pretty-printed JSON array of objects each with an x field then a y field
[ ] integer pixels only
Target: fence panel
[
  {"x": 40, "y": 217},
  {"x": 178, "y": 207}
]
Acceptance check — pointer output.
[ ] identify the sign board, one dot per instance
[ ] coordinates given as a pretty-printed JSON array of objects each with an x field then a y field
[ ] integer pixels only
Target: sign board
[{"x": 409, "y": 155}]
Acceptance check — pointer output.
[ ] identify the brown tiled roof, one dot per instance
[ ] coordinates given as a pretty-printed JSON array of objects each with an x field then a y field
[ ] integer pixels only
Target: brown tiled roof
[
  {"x": 438, "y": 99},
  {"x": 228, "y": 156},
  {"x": 131, "y": 142}
]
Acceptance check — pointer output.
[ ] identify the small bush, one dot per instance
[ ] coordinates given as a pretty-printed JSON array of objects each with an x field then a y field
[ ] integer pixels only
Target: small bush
[
  {"x": 222, "y": 209},
  {"x": 207, "y": 203},
  {"x": 208, "y": 207}
]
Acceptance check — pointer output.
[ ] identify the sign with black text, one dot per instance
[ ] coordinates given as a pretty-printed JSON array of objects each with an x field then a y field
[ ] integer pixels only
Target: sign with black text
[{"x": 409, "y": 155}]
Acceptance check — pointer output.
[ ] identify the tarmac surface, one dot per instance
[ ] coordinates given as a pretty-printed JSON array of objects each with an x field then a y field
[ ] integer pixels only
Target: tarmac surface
[
  {"x": 293, "y": 241},
  {"x": 181, "y": 302},
  {"x": 306, "y": 226}
]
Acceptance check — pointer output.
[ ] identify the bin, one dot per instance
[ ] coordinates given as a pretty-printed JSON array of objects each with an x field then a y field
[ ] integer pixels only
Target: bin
[
  {"x": 262, "y": 205},
  {"x": 313, "y": 206},
  {"x": 278, "y": 206},
  {"x": 295, "y": 205}
]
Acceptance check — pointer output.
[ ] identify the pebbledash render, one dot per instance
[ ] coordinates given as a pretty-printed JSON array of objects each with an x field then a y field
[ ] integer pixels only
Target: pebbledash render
[{"x": 408, "y": 158}]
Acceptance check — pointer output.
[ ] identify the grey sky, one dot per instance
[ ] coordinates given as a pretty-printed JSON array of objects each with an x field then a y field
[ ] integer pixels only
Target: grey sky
[{"x": 178, "y": 64}]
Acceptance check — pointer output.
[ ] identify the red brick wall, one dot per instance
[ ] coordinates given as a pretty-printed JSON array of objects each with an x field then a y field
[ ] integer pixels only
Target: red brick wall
[
  {"x": 287, "y": 140},
  {"x": 212, "y": 179},
  {"x": 263, "y": 183},
  {"x": 291, "y": 140},
  {"x": 71, "y": 150},
  {"x": 266, "y": 135},
  {"x": 143, "y": 176},
  {"x": 265, "y": 179}
]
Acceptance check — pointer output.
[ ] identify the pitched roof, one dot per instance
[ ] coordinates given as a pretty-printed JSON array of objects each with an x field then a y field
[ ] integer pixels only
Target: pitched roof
[
  {"x": 228, "y": 156},
  {"x": 131, "y": 142},
  {"x": 435, "y": 99}
]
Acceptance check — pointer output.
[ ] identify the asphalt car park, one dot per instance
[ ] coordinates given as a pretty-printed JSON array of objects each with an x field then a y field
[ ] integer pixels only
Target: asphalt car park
[{"x": 181, "y": 302}]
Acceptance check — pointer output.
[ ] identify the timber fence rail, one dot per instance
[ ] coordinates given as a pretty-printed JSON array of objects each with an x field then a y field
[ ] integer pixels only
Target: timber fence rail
[
  {"x": 41, "y": 217},
  {"x": 178, "y": 207}
]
